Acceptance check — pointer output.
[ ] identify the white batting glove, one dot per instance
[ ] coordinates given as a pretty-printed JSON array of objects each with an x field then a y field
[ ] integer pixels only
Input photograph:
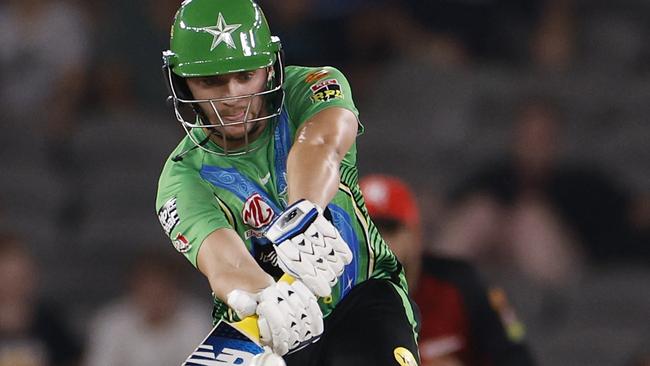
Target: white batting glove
[
  {"x": 289, "y": 317},
  {"x": 244, "y": 303},
  {"x": 267, "y": 358},
  {"x": 309, "y": 247},
  {"x": 288, "y": 314}
]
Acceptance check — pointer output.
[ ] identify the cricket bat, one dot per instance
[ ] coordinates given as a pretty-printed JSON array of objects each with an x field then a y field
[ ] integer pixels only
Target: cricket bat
[{"x": 230, "y": 343}]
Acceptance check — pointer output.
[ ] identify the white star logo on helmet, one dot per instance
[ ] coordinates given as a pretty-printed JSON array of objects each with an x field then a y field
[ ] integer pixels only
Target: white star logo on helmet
[{"x": 222, "y": 32}]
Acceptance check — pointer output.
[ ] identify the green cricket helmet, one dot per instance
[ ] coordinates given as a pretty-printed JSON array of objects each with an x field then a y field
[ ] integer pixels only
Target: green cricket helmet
[{"x": 216, "y": 37}]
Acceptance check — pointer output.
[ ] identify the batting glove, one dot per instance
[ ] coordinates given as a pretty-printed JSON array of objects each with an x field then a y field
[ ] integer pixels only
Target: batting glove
[
  {"x": 288, "y": 315},
  {"x": 309, "y": 247}
]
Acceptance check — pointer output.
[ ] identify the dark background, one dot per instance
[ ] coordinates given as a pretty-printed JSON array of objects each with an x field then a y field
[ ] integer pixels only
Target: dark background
[{"x": 440, "y": 86}]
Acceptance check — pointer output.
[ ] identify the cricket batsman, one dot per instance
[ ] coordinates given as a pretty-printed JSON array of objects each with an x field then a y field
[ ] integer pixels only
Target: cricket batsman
[{"x": 265, "y": 183}]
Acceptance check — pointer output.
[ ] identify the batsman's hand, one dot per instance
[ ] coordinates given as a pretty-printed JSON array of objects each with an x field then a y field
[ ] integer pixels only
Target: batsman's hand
[
  {"x": 288, "y": 315},
  {"x": 309, "y": 247}
]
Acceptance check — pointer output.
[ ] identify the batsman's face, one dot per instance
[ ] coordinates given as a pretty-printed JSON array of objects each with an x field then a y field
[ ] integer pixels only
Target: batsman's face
[{"x": 232, "y": 114}]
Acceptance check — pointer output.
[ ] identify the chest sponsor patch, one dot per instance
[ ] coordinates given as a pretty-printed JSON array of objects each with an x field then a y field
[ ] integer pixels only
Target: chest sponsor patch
[
  {"x": 168, "y": 216},
  {"x": 326, "y": 90},
  {"x": 257, "y": 213}
]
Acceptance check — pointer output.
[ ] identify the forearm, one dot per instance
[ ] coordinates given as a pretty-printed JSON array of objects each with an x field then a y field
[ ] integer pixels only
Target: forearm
[
  {"x": 313, "y": 173},
  {"x": 314, "y": 160},
  {"x": 228, "y": 266}
]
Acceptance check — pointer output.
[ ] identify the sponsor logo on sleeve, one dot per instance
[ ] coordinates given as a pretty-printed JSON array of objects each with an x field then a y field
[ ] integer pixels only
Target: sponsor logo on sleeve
[
  {"x": 168, "y": 216},
  {"x": 326, "y": 90},
  {"x": 256, "y": 212},
  {"x": 181, "y": 243}
]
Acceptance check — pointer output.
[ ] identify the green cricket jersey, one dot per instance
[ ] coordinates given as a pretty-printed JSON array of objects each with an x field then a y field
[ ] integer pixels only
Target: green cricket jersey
[{"x": 204, "y": 192}]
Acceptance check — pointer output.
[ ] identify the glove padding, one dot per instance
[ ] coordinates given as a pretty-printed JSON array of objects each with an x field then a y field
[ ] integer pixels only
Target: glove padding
[
  {"x": 289, "y": 317},
  {"x": 309, "y": 247},
  {"x": 288, "y": 314},
  {"x": 267, "y": 358}
]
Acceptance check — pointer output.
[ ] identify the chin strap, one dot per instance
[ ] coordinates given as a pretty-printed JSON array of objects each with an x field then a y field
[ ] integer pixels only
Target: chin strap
[{"x": 179, "y": 157}]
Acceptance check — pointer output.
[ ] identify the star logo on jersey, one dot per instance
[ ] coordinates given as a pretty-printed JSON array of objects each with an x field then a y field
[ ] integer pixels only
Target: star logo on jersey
[{"x": 222, "y": 33}]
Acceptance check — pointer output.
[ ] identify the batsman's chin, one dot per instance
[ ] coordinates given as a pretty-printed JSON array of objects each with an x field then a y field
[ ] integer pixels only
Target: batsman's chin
[
  {"x": 233, "y": 140},
  {"x": 235, "y": 132},
  {"x": 238, "y": 131},
  {"x": 267, "y": 358}
]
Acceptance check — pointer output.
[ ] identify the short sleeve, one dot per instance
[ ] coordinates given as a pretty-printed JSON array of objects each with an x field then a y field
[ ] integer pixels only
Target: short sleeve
[
  {"x": 187, "y": 209},
  {"x": 310, "y": 90}
]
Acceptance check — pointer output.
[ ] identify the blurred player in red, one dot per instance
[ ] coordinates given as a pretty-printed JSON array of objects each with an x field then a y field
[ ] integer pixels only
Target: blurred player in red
[{"x": 463, "y": 323}]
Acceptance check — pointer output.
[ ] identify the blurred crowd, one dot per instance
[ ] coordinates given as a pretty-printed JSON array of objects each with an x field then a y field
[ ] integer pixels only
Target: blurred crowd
[{"x": 521, "y": 126}]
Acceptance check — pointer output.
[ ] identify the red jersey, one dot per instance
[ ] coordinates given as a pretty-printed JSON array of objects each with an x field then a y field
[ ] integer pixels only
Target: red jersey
[{"x": 459, "y": 319}]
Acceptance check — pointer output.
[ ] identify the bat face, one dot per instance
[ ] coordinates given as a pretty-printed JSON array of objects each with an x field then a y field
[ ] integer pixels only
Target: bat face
[{"x": 227, "y": 344}]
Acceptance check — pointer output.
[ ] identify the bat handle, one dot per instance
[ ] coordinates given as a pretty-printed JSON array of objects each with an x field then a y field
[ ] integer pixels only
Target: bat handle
[{"x": 286, "y": 278}]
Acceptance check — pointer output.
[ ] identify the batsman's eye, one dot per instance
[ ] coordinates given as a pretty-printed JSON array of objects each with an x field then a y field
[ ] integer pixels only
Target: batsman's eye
[
  {"x": 211, "y": 81},
  {"x": 246, "y": 76}
]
